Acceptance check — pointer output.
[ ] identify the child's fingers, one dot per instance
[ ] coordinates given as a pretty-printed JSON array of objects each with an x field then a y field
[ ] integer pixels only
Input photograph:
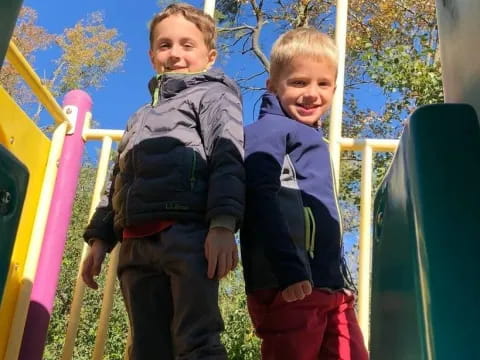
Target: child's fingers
[
  {"x": 228, "y": 263},
  {"x": 87, "y": 273},
  {"x": 287, "y": 295},
  {"x": 97, "y": 264},
  {"x": 235, "y": 258},
  {"x": 298, "y": 292},
  {"x": 222, "y": 265},
  {"x": 306, "y": 288},
  {"x": 212, "y": 264}
]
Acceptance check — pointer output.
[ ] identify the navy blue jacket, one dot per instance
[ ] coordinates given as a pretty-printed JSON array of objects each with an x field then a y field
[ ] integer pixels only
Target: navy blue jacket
[{"x": 292, "y": 226}]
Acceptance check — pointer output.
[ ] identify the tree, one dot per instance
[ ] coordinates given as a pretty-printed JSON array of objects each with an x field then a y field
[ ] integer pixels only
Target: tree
[{"x": 88, "y": 53}]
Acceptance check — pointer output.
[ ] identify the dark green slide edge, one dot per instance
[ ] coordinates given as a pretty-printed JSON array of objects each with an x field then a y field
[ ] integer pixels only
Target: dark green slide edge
[
  {"x": 13, "y": 187},
  {"x": 425, "y": 277},
  {"x": 9, "y": 10}
]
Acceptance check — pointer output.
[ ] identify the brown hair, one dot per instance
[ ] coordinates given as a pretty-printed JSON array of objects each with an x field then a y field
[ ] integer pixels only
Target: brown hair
[
  {"x": 203, "y": 21},
  {"x": 308, "y": 42}
]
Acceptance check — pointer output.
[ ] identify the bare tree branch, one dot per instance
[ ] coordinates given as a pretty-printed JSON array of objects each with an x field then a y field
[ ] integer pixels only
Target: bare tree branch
[
  {"x": 251, "y": 77},
  {"x": 256, "y": 34},
  {"x": 236, "y": 28}
]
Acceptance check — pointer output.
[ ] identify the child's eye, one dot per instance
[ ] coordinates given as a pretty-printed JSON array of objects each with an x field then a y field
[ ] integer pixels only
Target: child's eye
[
  {"x": 188, "y": 45},
  {"x": 298, "y": 83},
  {"x": 163, "y": 45}
]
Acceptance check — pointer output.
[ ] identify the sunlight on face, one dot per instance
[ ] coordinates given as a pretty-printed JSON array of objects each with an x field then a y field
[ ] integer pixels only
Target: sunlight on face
[
  {"x": 305, "y": 89},
  {"x": 179, "y": 46}
]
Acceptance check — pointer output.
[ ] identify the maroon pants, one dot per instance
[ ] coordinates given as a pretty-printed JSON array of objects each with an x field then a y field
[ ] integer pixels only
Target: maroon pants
[{"x": 323, "y": 326}]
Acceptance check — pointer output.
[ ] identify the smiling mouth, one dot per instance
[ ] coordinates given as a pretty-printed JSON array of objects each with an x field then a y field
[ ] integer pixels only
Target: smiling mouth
[
  {"x": 308, "y": 107},
  {"x": 174, "y": 68}
]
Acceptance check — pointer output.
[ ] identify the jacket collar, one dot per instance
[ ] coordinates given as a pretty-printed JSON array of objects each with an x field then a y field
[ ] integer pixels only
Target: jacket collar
[
  {"x": 167, "y": 85},
  {"x": 271, "y": 105}
]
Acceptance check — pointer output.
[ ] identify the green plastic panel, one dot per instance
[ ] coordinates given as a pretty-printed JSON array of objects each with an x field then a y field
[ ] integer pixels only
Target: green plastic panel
[
  {"x": 425, "y": 286},
  {"x": 13, "y": 187},
  {"x": 9, "y": 10}
]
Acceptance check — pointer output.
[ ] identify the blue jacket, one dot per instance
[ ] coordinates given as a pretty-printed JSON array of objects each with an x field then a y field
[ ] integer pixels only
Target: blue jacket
[{"x": 292, "y": 229}]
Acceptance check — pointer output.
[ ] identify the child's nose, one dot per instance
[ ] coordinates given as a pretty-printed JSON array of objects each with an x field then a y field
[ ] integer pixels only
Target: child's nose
[
  {"x": 174, "y": 51},
  {"x": 311, "y": 93}
]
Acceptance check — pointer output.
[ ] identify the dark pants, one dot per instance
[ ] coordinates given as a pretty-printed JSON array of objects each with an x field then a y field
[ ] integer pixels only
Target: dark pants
[
  {"x": 172, "y": 305},
  {"x": 322, "y": 326}
]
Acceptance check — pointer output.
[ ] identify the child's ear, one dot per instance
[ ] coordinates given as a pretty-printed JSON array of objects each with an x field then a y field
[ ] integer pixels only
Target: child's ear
[
  {"x": 270, "y": 86},
  {"x": 150, "y": 56},
  {"x": 212, "y": 56}
]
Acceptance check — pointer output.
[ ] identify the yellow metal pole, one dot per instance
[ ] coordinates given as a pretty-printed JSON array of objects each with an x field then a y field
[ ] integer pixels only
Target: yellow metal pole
[
  {"x": 20, "y": 315},
  {"x": 107, "y": 304},
  {"x": 335, "y": 126},
  {"x": 15, "y": 57},
  {"x": 365, "y": 245},
  {"x": 79, "y": 291},
  {"x": 100, "y": 134},
  {"x": 378, "y": 145},
  {"x": 126, "y": 355}
]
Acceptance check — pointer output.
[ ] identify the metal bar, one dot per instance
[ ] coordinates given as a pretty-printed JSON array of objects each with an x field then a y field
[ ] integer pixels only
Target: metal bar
[
  {"x": 335, "y": 126},
  {"x": 18, "y": 321},
  {"x": 77, "y": 105},
  {"x": 74, "y": 318},
  {"x": 365, "y": 243},
  {"x": 209, "y": 7},
  {"x": 126, "y": 355},
  {"x": 107, "y": 304},
  {"x": 100, "y": 134},
  {"x": 378, "y": 145},
  {"x": 15, "y": 57}
]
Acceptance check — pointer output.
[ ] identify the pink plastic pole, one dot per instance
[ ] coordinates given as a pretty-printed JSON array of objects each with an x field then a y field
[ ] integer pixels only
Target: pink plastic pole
[{"x": 46, "y": 278}]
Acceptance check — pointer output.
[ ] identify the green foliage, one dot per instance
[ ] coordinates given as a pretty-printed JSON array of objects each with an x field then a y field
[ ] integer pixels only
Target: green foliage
[
  {"x": 239, "y": 338},
  {"x": 92, "y": 300}
]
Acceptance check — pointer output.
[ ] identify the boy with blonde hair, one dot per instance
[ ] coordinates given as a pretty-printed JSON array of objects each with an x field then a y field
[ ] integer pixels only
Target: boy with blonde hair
[
  {"x": 298, "y": 296},
  {"x": 176, "y": 197}
]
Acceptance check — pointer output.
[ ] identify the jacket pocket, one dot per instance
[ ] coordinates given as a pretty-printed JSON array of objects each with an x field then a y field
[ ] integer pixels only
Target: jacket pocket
[{"x": 310, "y": 230}]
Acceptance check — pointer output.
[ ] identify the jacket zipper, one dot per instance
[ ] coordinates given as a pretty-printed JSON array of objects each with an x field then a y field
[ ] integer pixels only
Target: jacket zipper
[{"x": 310, "y": 230}]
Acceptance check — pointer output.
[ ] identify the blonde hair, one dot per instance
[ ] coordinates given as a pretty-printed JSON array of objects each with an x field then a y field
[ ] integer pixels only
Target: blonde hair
[
  {"x": 203, "y": 21},
  {"x": 307, "y": 42}
]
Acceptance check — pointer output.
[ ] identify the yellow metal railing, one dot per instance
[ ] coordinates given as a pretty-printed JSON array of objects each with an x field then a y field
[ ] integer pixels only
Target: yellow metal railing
[
  {"x": 63, "y": 125},
  {"x": 367, "y": 147},
  {"x": 15, "y": 57}
]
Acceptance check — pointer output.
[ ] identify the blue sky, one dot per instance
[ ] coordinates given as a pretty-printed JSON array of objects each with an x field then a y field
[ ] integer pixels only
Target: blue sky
[{"x": 124, "y": 91}]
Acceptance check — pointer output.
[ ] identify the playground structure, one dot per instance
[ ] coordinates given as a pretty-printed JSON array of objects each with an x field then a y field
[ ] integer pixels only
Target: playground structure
[{"x": 425, "y": 212}]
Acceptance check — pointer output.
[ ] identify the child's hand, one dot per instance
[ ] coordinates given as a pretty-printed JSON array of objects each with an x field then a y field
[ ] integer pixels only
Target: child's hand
[
  {"x": 93, "y": 263},
  {"x": 221, "y": 252},
  {"x": 297, "y": 291}
]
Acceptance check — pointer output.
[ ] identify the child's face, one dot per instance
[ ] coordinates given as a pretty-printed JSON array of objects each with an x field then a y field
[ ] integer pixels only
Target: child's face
[
  {"x": 179, "y": 46},
  {"x": 305, "y": 89}
]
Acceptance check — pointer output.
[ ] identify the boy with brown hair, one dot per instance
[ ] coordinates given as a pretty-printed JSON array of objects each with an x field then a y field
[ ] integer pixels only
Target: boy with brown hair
[
  {"x": 298, "y": 297},
  {"x": 177, "y": 195}
]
